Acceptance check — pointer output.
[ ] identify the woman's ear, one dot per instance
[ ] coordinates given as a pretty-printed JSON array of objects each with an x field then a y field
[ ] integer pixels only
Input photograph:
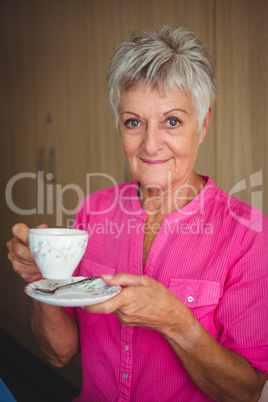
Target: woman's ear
[{"x": 204, "y": 129}]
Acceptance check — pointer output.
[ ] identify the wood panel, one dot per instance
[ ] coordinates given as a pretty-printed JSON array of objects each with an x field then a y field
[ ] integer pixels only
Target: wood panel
[{"x": 242, "y": 105}]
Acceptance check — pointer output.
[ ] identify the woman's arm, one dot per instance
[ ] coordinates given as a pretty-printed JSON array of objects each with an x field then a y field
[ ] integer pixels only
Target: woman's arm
[
  {"x": 56, "y": 333},
  {"x": 221, "y": 373}
]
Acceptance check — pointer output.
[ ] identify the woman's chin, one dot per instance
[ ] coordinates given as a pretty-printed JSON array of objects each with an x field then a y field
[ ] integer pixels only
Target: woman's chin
[{"x": 154, "y": 182}]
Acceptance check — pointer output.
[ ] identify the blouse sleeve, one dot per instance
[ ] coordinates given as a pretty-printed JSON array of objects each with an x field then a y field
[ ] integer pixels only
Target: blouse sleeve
[{"x": 242, "y": 313}]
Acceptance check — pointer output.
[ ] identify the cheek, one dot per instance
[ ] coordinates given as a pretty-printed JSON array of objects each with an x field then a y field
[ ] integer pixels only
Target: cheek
[
  {"x": 130, "y": 146},
  {"x": 191, "y": 143},
  {"x": 185, "y": 149}
]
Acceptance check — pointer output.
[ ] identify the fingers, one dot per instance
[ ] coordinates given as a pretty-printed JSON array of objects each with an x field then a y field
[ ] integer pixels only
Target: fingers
[
  {"x": 18, "y": 251},
  {"x": 109, "y": 306},
  {"x": 28, "y": 272},
  {"x": 16, "y": 246},
  {"x": 20, "y": 255},
  {"x": 125, "y": 297},
  {"x": 126, "y": 280},
  {"x": 22, "y": 261},
  {"x": 20, "y": 231},
  {"x": 42, "y": 226}
]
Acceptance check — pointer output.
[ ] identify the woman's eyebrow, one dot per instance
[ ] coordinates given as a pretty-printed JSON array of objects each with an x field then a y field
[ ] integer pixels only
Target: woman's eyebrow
[
  {"x": 172, "y": 110},
  {"x": 135, "y": 114}
]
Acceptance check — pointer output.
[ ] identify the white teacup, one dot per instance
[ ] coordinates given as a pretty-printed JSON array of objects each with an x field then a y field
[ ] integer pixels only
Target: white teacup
[{"x": 57, "y": 252}]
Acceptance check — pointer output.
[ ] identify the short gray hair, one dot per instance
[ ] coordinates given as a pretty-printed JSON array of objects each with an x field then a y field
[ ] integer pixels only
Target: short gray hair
[{"x": 164, "y": 58}]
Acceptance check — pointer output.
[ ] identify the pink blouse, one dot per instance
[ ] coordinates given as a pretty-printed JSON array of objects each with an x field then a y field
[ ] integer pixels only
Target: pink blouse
[{"x": 212, "y": 254}]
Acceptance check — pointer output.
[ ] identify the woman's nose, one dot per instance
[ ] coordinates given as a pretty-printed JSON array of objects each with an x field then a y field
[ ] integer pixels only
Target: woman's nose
[{"x": 153, "y": 141}]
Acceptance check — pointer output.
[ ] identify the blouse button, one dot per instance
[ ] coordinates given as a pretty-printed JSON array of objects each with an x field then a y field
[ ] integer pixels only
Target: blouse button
[
  {"x": 125, "y": 375},
  {"x": 190, "y": 299}
]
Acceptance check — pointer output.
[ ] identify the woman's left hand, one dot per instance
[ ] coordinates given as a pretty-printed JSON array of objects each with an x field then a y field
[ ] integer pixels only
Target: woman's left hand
[{"x": 142, "y": 302}]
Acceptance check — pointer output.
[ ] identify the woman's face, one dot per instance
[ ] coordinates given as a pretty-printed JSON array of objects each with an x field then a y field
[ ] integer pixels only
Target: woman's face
[{"x": 159, "y": 136}]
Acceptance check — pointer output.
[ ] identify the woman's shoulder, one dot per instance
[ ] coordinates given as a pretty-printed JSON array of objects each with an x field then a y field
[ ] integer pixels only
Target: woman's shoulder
[
  {"x": 239, "y": 213},
  {"x": 108, "y": 198}
]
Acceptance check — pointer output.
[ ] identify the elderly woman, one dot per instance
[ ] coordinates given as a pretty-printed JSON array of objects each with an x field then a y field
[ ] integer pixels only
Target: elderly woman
[{"x": 188, "y": 324}]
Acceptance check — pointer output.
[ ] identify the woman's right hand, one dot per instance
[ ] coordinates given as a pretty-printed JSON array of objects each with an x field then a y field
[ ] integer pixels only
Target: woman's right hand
[{"x": 20, "y": 255}]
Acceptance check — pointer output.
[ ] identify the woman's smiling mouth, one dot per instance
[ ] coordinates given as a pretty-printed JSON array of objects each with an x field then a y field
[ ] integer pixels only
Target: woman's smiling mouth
[{"x": 153, "y": 162}]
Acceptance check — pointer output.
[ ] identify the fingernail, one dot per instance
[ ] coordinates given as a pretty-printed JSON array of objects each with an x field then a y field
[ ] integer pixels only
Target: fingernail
[{"x": 107, "y": 276}]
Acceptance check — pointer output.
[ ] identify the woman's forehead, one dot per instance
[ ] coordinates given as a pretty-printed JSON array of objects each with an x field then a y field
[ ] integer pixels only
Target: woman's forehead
[{"x": 143, "y": 95}]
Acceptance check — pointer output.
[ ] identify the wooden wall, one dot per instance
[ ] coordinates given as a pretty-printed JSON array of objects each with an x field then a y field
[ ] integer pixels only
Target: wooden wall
[
  {"x": 55, "y": 116},
  {"x": 241, "y": 58}
]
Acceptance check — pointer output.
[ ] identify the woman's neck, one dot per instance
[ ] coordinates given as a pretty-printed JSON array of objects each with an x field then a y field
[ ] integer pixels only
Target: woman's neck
[{"x": 161, "y": 202}]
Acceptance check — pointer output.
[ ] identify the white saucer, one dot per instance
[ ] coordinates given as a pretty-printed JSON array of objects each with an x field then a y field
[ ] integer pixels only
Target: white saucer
[{"x": 83, "y": 294}]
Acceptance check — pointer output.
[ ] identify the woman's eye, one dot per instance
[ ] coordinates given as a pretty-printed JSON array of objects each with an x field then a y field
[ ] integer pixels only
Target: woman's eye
[
  {"x": 132, "y": 123},
  {"x": 173, "y": 122}
]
